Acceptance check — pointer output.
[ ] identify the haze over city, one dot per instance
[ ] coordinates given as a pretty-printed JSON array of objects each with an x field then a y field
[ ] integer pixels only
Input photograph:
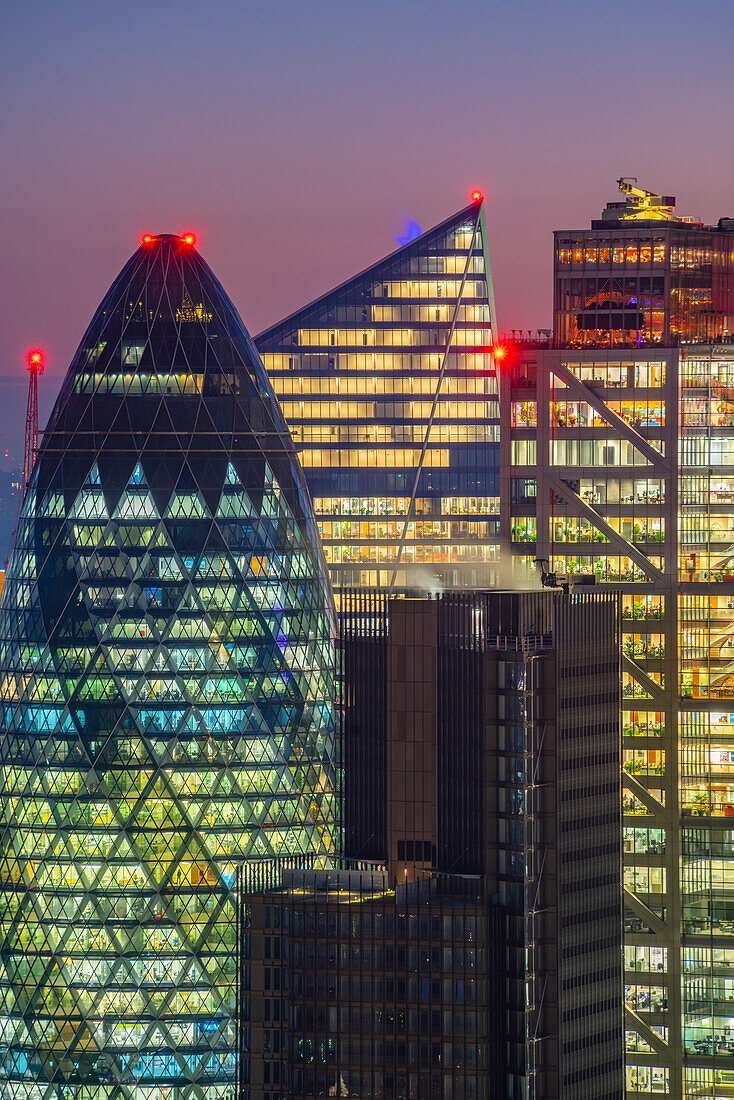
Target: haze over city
[
  {"x": 367, "y": 681},
  {"x": 297, "y": 140}
]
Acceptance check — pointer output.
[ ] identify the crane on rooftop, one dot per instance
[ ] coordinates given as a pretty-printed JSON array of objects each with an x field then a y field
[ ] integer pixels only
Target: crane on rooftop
[
  {"x": 36, "y": 366},
  {"x": 645, "y": 205},
  {"x": 626, "y": 185}
]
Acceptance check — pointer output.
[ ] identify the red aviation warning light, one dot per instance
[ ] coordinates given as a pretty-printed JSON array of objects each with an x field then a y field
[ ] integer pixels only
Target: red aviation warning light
[
  {"x": 184, "y": 238},
  {"x": 36, "y": 365},
  {"x": 476, "y": 196},
  {"x": 500, "y": 352}
]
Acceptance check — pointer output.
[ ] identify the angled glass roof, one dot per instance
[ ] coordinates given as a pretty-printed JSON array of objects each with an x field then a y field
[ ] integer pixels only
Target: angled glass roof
[{"x": 389, "y": 387}]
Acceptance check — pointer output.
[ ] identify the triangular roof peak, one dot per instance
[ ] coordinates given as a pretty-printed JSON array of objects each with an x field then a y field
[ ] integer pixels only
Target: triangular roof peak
[{"x": 474, "y": 209}]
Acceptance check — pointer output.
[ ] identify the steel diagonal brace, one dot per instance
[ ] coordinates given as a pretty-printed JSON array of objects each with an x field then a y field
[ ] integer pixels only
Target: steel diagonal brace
[
  {"x": 612, "y": 418},
  {"x": 651, "y": 1037},
  {"x": 410, "y": 514},
  {"x": 652, "y": 920},
  {"x": 650, "y": 686},
  {"x": 565, "y": 493},
  {"x": 722, "y": 674},
  {"x": 642, "y": 794}
]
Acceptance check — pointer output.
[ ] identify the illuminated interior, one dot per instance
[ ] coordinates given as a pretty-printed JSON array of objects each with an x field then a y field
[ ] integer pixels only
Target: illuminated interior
[
  {"x": 622, "y": 473},
  {"x": 661, "y": 284},
  {"x": 389, "y": 388},
  {"x": 166, "y": 679}
]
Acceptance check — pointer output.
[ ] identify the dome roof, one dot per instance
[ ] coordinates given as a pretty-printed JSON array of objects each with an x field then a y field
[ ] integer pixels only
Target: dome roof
[
  {"x": 166, "y": 690},
  {"x": 164, "y": 333}
]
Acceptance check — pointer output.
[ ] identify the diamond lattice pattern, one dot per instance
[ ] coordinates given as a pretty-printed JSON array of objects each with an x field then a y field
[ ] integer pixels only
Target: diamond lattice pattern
[{"x": 166, "y": 685}]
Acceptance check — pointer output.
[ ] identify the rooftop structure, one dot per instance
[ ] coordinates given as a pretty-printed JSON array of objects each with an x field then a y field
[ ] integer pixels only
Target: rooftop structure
[
  {"x": 643, "y": 275},
  {"x": 640, "y": 205}
]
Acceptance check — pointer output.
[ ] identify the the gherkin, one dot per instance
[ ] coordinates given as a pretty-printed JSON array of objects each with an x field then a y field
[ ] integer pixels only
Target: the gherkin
[{"x": 166, "y": 695}]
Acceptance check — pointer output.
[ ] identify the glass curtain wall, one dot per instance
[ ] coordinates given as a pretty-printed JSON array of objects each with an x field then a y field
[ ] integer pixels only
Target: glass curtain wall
[
  {"x": 389, "y": 388},
  {"x": 166, "y": 696},
  {"x": 645, "y": 285},
  {"x": 706, "y": 612},
  {"x": 590, "y": 492},
  {"x": 622, "y": 472}
]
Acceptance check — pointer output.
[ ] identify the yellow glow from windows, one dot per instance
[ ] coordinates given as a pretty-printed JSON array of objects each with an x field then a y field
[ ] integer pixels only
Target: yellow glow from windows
[{"x": 375, "y": 457}]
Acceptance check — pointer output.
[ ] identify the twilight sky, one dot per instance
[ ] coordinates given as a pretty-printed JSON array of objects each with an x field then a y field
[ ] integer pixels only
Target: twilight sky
[{"x": 297, "y": 138}]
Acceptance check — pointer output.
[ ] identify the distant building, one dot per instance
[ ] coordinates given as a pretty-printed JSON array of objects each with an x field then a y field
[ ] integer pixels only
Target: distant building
[
  {"x": 10, "y": 483},
  {"x": 643, "y": 275},
  {"x": 470, "y": 946},
  {"x": 389, "y": 388}
]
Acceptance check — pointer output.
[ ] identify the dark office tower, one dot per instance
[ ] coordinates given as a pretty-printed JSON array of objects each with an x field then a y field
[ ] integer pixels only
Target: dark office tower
[
  {"x": 643, "y": 275},
  {"x": 388, "y": 386},
  {"x": 473, "y": 950},
  {"x": 166, "y": 664}
]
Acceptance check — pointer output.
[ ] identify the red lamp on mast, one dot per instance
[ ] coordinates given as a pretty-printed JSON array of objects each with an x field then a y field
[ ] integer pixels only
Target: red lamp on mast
[{"x": 36, "y": 365}]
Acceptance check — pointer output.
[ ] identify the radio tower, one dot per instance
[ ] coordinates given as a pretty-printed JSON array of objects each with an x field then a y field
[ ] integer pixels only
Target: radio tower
[{"x": 36, "y": 364}]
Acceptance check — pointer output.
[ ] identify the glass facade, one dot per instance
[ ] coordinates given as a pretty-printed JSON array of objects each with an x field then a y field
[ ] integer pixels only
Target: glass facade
[
  {"x": 166, "y": 694},
  {"x": 469, "y": 948},
  {"x": 389, "y": 388},
  {"x": 655, "y": 283},
  {"x": 631, "y": 482},
  {"x": 363, "y": 991},
  {"x": 706, "y": 685}
]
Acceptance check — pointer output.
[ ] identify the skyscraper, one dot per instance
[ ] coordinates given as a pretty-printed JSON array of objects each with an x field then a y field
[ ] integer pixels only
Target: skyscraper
[
  {"x": 631, "y": 482},
  {"x": 476, "y": 955},
  {"x": 617, "y": 465},
  {"x": 166, "y": 691},
  {"x": 388, "y": 385}
]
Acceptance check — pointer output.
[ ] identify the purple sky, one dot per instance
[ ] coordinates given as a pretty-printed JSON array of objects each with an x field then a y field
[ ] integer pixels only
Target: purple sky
[{"x": 296, "y": 138}]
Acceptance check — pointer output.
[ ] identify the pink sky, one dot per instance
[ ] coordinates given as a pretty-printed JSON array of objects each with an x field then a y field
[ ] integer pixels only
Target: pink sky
[{"x": 296, "y": 139}]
